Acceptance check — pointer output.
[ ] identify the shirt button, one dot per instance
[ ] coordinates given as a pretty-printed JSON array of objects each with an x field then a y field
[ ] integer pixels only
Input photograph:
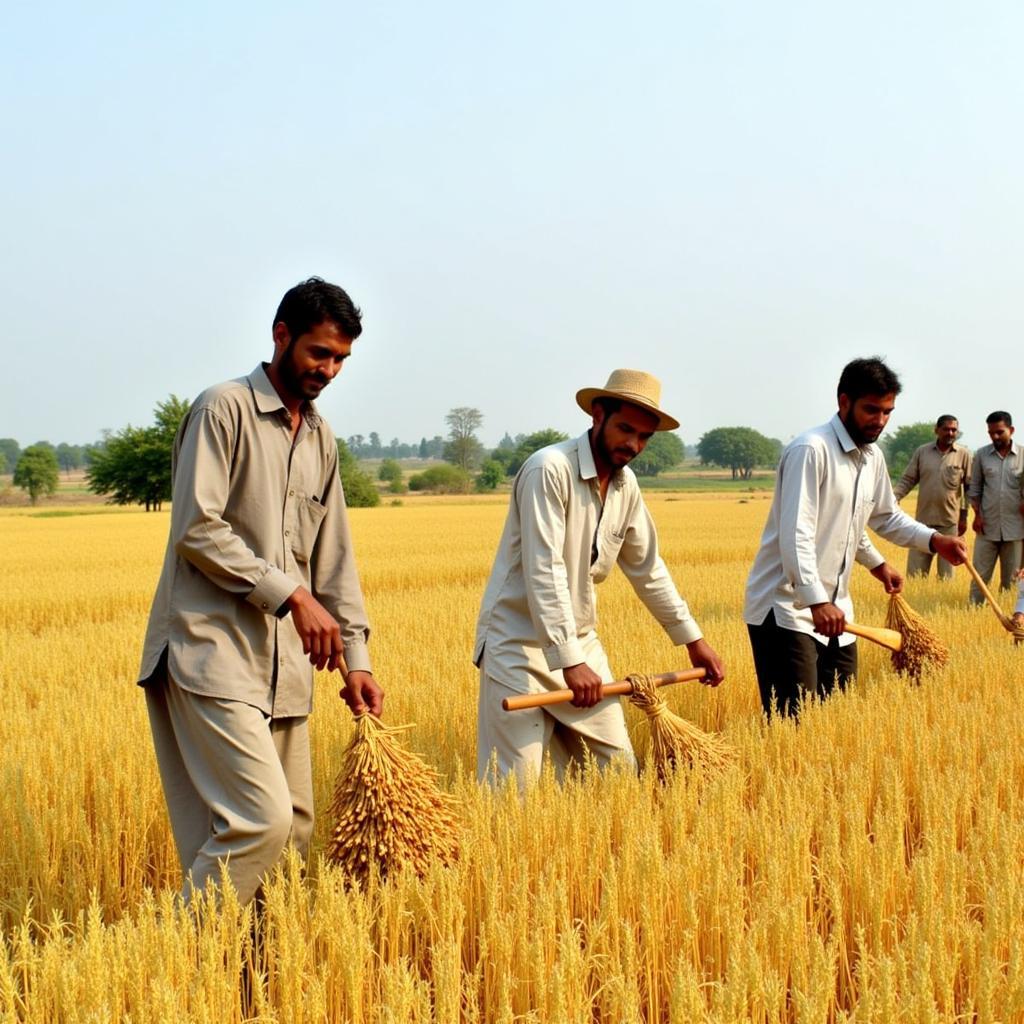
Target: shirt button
[
  {"x": 291, "y": 494},
  {"x": 264, "y": 606},
  {"x": 286, "y": 533}
]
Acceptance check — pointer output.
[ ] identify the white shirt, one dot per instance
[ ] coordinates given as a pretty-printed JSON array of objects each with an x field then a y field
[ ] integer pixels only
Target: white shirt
[
  {"x": 539, "y": 609},
  {"x": 827, "y": 491}
]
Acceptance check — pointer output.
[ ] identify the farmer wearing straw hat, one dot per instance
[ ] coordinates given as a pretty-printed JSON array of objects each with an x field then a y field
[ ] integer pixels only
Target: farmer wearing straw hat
[
  {"x": 576, "y": 511},
  {"x": 832, "y": 483},
  {"x": 258, "y": 586}
]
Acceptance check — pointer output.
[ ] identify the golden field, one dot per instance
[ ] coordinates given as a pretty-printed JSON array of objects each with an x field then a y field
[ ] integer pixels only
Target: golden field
[{"x": 867, "y": 865}]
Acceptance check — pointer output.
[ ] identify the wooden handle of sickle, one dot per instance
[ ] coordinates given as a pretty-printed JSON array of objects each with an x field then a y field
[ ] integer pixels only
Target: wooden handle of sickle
[
  {"x": 540, "y": 700},
  {"x": 876, "y": 634},
  {"x": 1004, "y": 619}
]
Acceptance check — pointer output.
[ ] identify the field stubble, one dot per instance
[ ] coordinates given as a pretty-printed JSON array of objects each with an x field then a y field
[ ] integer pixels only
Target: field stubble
[{"x": 867, "y": 865}]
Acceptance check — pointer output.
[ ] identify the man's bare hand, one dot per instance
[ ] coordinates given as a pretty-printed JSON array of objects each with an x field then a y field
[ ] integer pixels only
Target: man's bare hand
[
  {"x": 362, "y": 693},
  {"x": 828, "y": 619},
  {"x": 317, "y": 628},
  {"x": 978, "y": 526},
  {"x": 702, "y": 655},
  {"x": 585, "y": 684},
  {"x": 889, "y": 578},
  {"x": 952, "y": 549}
]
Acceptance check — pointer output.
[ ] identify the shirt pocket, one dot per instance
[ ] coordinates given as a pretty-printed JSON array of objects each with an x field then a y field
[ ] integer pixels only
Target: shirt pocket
[
  {"x": 865, "y": 507},
  {"x": 309, "y": 514},
  {"x": 609, "y": 544},
  {"x": 952, "y": 477}
]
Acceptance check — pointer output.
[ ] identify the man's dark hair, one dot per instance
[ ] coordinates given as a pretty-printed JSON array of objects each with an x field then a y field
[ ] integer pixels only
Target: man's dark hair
[
  {"x": 610, "y": 405},
  {"x": 999, "y": 416},
  {"x": 867, "y": 377},
  {"x": 316, "y": 301},
  {"x": 944, "y": 419}
]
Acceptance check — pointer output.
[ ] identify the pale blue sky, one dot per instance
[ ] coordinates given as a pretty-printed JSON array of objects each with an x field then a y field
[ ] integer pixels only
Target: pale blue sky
[{"x": 738, "y": 197}]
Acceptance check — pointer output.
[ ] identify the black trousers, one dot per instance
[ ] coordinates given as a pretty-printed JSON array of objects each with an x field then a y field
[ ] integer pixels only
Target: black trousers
[{"x": 793, "y": 667}]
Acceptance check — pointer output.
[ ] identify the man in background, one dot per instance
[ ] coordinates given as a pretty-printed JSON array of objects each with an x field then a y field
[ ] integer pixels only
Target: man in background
[
  {"x": 259, "y": 585},
  {"x": 576, "y": 512},
  {"x": 995, "y": 496},
  {"x": 832, "y": 483},
  {"x": 942, "y": 472}
]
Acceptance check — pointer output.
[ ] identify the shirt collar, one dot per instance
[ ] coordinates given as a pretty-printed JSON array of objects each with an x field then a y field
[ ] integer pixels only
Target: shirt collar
[
  {"x": 952, "y": 447},
  {"x": 845, "y": 441},
  {"x": 268, "y": 400},
  {"x": 588, "y": 469}
]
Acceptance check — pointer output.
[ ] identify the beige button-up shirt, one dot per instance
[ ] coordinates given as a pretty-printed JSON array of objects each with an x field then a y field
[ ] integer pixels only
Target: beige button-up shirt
[
  {"x": 996, "y": 484},
  {"x": 539, "y": 609},
  {"x": 943, "y": 478},
  {"x": 827, "y": 491},
  {"x": 254, "y": 516}
]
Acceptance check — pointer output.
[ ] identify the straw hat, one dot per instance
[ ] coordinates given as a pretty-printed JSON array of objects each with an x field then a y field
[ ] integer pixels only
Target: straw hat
[{"x": 633, "y": 386}]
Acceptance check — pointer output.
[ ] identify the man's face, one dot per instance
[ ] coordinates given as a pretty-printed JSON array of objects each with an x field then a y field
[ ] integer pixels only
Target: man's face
[
  {"x": 865, "y": 419},
  {"x": 619, "y": 437},
  {"x": 947, "y": 433},
  {"x": 309, "y": 363},
  {"x": 1000, "y": 434}
]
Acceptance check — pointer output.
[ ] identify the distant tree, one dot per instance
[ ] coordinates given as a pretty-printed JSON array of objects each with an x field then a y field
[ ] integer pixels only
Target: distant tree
[
  {"x": 3, "y": 462},
  {"x": 442, "y": 479},
  {"x": 360, "y": 491},
  {"x": 37, "y": 471},
  {"x": 463, "y": 448},
  {"x": 133, "y": 466},
  {"x": 527, "y": 444},
  {"x": 663, "y": 451},
  {"x": 435, "y": 447},
  {"x": 374, "y": 447},
  {"x": 507, "y": 443},
  {"x": 69, "y": 456},
  {"x": 424, "y": 450},
  {"x": 389, "y": 471},
  {"x": 902, "y": 443},
  {"x": 737, "y": 448},
  {"x": 11, "y": 449},
  {"x": 503, "y": 456},
  {"x": 491, "y": 474}
]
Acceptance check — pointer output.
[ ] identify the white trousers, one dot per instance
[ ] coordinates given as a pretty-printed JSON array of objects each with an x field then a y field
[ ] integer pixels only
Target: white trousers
[{"x": 516, "y": 742}]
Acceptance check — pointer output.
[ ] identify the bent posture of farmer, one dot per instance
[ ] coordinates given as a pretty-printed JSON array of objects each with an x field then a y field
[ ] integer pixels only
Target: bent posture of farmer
[
  {"x": 258, "y": 586},
  {"x": 832, "y": 483},
  {"x": 576, "y": 511}
]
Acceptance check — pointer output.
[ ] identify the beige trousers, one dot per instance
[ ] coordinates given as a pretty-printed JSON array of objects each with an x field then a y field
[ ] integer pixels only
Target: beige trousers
[
  {"x": 238, "y": 785},
  {"x": 515, "y": 742},
  {"x": 919, "y": 563},
  {"x": 986, "y": 554}
]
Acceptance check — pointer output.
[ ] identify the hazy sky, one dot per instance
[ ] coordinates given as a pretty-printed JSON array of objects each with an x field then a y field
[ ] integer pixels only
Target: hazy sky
[{"x": 738, "y": 197}]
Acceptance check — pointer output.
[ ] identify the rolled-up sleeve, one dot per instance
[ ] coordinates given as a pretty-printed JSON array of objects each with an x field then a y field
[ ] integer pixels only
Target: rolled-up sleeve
[
  {"x": 335, "y": 579},
  {"x": 799, "y": 490},
  {"x": 542, "y": 497},
  {"x": 201, "y": 534},
  {"x": 645, "y": 569}
]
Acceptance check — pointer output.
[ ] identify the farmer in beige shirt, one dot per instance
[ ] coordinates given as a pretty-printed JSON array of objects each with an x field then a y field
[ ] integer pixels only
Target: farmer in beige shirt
[
  {"x": 258, "y": 586},
  {"x": 942, "y": 473},
  {"x": 576, "y": 512},
  {"x": 997, "y": 497}
]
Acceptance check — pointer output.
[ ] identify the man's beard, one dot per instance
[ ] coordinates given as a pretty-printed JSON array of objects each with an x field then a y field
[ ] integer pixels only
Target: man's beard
[
  {"x": 300, "y": 385},
  {"x": 859, "y": 438},
  {"x": 615, "y": 457}
]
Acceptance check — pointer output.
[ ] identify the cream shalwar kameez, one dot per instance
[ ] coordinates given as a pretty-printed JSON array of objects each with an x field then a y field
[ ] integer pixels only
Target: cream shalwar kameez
[
  {"x": 255, "y": 514},
  {"x": 539, "y": 612}
]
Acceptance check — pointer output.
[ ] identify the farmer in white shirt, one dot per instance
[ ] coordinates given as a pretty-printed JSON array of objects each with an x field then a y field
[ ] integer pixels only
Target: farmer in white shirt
[
  {"x": 576, "y": 512},
  {"x": 832, "y": 483}
]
